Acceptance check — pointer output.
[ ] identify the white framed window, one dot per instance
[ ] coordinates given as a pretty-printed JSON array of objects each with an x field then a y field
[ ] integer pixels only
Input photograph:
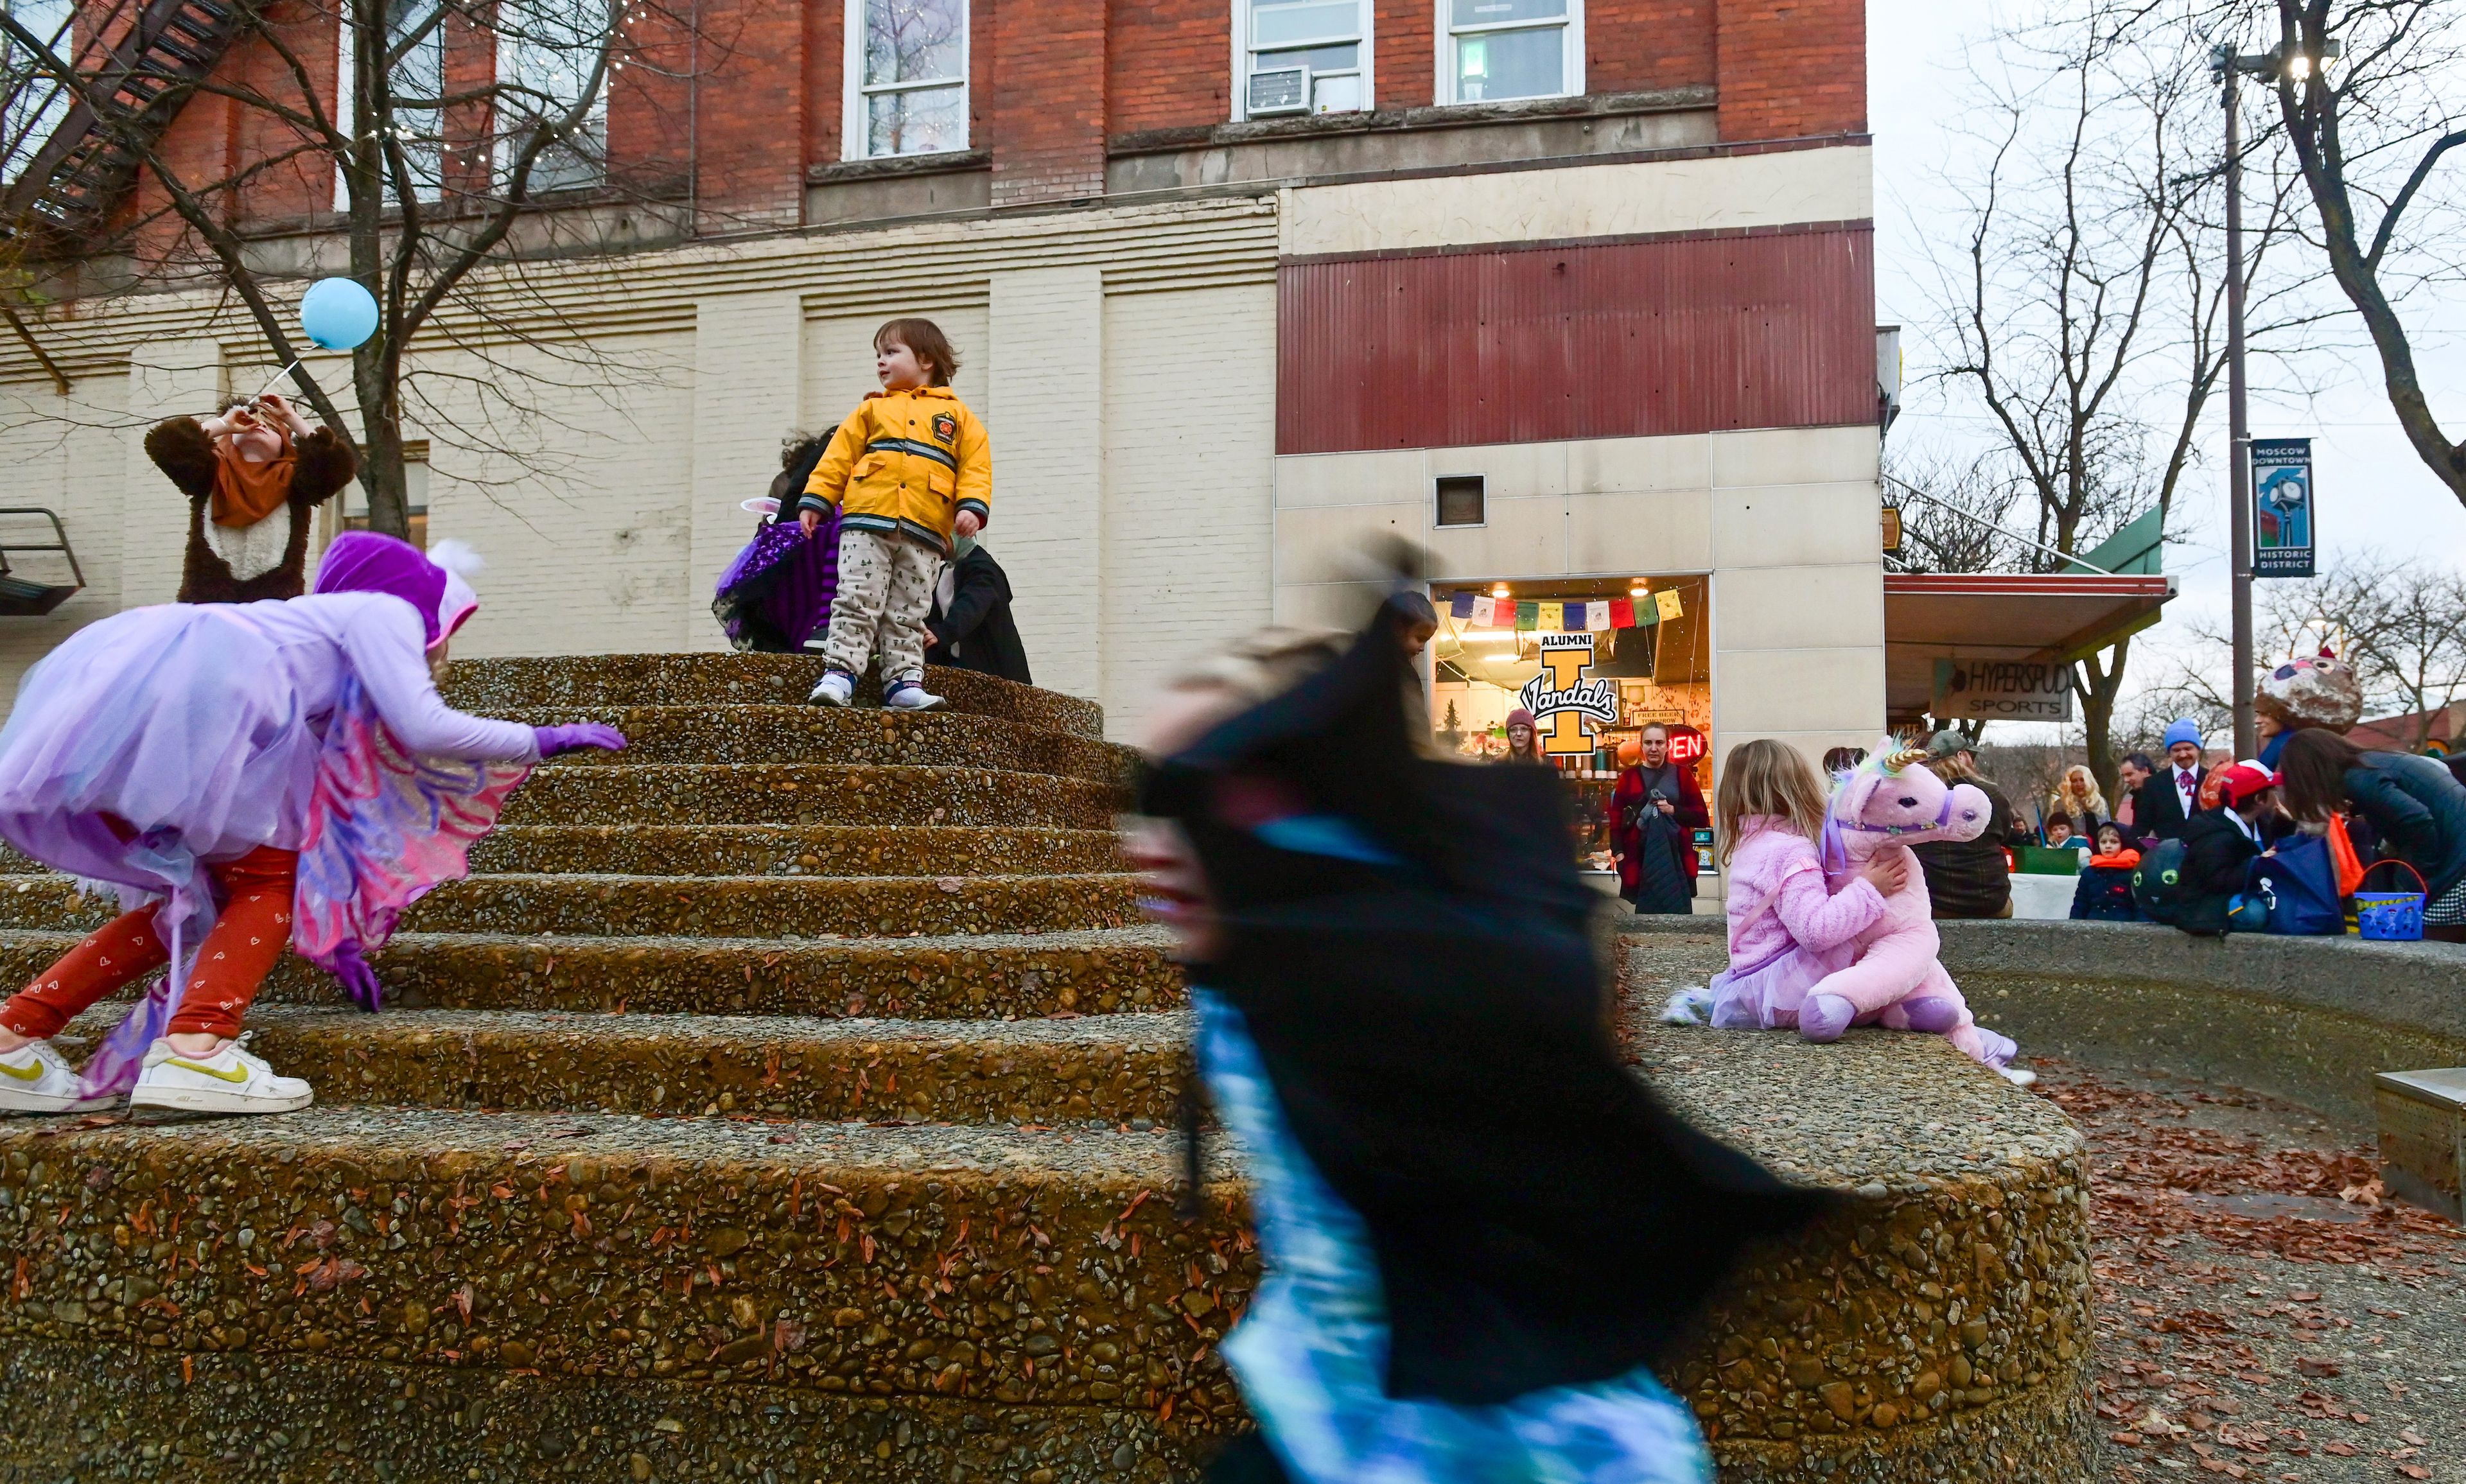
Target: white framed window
[
  {"x": 416, "y": 29},
  {"x": 908, "y": 78},
  {"x": 1498, "y": 51},
  {"x": 548, "y": 57},
  {"x": 1295, "y": 56}
]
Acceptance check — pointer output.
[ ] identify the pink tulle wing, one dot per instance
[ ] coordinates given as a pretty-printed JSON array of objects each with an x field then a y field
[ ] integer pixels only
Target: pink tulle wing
[{"x": 384, "y": 827}]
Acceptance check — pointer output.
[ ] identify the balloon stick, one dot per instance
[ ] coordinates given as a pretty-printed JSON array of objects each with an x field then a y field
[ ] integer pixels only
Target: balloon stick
[{"x": 277, "y": 381}]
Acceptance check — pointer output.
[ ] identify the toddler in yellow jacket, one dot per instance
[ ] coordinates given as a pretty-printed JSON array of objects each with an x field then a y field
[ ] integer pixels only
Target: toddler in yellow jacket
[{"x": 909, "y": 469}]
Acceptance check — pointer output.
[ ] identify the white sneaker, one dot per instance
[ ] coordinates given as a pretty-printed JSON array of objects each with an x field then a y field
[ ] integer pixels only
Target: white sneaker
[
  {"x": 834, "y": 690},
  {"x": 2019, "y": 1077},
  {"x": 908, "y": 696},
  {"x": 33, "y": 1079},
  {"x": 229, "y": 1081}
]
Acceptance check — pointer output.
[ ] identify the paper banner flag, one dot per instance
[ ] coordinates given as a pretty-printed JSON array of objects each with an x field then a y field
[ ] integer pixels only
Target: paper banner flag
[
  {"x": 1597, "y": 617},
  {"x": 1528, "y": 616},
  {"x": 1622, "y": 613},
  {"x": 1667, "y": 600},
  {"x": 1460, "y": 606},
  {"x": 1483, "y": 615},
  {"x": 1553, "y": 618}
]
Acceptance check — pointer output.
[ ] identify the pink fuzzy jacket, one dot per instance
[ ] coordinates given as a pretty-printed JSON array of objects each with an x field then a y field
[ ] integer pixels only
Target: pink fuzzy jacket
[{"x": 1777, "y": 896}]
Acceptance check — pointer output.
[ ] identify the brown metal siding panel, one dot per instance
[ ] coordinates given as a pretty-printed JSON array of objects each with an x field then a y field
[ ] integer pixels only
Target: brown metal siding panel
[{"x": 1614, "y": 340}]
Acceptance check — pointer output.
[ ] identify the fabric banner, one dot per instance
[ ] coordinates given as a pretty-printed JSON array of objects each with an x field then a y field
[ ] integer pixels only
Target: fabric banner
[
  {"x": 1483, "y": 614},
  {"x": 1597, "y": 617},
  {"x": 1528, "y": 616},
  {"x": 1666, "y": 603},
  {"x": 1594, "y": 616},
  {"x": 1622, "y": 613},
  {"x": 1461, "y": 605},
  {"x": 1553, "y": 618}
]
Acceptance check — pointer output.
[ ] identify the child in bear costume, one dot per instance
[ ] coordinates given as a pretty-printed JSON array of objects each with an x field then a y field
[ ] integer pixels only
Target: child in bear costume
[
  {"x": 254, "y": 477},
  {"x": 1895, "y": 979}
]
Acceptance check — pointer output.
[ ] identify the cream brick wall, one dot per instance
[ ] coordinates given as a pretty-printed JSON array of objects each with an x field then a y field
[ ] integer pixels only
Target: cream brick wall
[
  {"x": 748, "y": 384},
  {"x": 1043, "y": 408},
  {"x": 66, "y": 455},
  {"x": 1190, "y": 414}
]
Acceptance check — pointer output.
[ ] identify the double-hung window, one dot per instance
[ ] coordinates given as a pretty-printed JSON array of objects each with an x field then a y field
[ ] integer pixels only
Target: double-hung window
[
  {"x": 1303, "y": 56},
  {"x": 414, "y": 39},
  {"x": 909, "y": 59},
  {"x": 553, "y": 60},
  {"x": 1499, "y": 50}
]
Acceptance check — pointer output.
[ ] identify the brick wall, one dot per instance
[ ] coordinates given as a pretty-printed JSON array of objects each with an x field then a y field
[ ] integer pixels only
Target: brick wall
[
  {"x": 1406, "y": 66},
  {"x": 1792, "y": 68},
  {"x": 1044, "y": 115},
  {"x": 1630, "y": 47},
  {"x": 750, "y": 105},
  {"x": 1169, "y": 65},
  {"x": 826, "y": 70}
]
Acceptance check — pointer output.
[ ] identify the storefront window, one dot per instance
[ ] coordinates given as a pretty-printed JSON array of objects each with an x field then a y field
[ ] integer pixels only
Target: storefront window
[{"x": 1650, "y": 649}]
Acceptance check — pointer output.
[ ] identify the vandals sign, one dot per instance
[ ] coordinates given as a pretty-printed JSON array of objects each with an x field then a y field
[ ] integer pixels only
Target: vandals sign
[{"x": 1561, "y": 700}]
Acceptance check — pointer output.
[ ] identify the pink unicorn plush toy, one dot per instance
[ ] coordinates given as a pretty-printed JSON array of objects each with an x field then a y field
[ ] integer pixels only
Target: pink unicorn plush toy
[{"x": 1895, "y": 979}]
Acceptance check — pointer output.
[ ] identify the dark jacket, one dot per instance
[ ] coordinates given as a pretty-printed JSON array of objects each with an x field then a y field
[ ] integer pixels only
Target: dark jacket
[
  {"x": 2104, "y": 893},
  {"x": 978, "y": 632},
  {"x": 2157, "y": 809},
  {"x": 1434, "y": 1026},
  {"x": 182, "y": 449},
  {"x": 2419, "y": 810},
  {"x": 1971, "y": 878},
  {"x": 2217, "y": 865}
]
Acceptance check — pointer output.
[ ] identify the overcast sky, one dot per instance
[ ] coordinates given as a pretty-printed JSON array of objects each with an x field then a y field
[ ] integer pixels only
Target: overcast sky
[{"x": 2372, "y": 491}]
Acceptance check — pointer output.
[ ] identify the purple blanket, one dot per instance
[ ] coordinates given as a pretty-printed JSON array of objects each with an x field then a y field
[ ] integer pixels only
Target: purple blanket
[{"x": 778, "y": 592}]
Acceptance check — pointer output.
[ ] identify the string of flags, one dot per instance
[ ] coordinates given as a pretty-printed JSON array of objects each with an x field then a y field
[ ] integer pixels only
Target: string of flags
[{"x": 1563, "y": 618}]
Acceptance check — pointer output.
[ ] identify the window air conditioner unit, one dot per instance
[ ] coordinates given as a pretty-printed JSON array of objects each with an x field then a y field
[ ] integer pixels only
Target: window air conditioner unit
[{"x": 1283, "y": 90}]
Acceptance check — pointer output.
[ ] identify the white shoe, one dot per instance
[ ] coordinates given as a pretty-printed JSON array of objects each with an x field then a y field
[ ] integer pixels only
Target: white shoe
[
  {"x": 33, "y": 1079},
  {"x": 229, "y": 1081},
  {"x": 834, "y": 690},
  {"x": 2019, "y": 1077},
  {"x": 908, "y": 696}
]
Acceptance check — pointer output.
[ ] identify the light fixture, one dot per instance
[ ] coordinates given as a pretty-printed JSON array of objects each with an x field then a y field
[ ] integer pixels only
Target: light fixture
[{"x": 1499, "y": 589}]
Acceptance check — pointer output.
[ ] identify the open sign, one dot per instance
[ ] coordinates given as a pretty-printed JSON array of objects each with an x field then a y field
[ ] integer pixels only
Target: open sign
[{"x": 1686, "y": 744}]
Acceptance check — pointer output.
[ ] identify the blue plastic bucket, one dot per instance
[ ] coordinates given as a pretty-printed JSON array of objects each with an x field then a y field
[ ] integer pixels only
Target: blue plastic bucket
[{"x": 2391, "y": 916}]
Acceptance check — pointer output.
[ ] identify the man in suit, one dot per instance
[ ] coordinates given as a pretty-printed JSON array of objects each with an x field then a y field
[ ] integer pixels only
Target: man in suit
[{"x": 2163, "y": 804}]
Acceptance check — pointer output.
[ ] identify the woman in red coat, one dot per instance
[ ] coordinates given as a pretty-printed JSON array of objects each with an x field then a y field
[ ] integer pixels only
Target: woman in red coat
[{"x": 1654, "y": 813}]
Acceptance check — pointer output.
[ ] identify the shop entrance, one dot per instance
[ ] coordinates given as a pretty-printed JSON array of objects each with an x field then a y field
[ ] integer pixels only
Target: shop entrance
[{"x": 1649, "y": 643}]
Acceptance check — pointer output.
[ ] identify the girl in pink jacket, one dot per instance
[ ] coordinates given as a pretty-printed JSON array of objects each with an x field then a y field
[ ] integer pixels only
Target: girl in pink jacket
[{"x": 1787, "y": 932}]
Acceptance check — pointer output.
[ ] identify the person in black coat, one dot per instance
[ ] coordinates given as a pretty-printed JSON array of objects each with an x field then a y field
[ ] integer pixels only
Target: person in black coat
[
  {"x": 2414, "y": 804},
  {"x": 2160, "y": 809},
  {"x": 2220, "y": 846},
  {"x": 970, "y": 626}
]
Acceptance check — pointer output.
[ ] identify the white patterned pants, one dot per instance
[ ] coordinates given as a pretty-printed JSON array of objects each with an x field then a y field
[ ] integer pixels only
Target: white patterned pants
[{"x": 886, "y": 589}]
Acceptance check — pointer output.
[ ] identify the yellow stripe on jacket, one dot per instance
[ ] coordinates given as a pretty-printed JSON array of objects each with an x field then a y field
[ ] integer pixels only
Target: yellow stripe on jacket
[{"x": 907, "y": 462}]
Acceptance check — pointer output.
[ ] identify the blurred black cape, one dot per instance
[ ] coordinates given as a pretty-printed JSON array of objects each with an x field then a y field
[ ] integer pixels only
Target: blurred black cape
[{"x": 1437, "y": 1037}]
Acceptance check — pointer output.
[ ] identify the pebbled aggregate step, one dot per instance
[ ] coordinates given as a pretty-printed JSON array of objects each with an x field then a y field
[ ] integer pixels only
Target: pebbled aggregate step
[
  {"x": 618, "y": 793},
  {"x": 958, "y": 977},
  {"x": 811, "y": 734},
  {"x": 1016, "y": 1266},
  {"x": 1117, "y": 1068},
  {"x": 495, "y": 686},
  {"x": 724, "y": 907},
  {"x": 792, "y": 850}
]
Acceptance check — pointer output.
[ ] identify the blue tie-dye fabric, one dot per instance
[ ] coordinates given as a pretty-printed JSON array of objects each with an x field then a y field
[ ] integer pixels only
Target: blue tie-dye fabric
[{"x": 1311, "y": 1352}]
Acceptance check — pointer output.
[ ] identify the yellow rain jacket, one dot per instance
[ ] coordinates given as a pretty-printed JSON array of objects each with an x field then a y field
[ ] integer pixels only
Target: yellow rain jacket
[{"x": 907, "y": 461}]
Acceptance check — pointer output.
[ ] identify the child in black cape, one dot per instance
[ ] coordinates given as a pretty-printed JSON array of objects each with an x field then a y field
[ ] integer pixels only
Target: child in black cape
[{"x": 1480, "y": 1228}]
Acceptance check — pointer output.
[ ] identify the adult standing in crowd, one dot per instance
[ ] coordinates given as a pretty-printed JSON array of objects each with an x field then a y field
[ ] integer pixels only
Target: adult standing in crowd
[
  {"x": 2077, "y": 797},
  {"x": 969, "y": 627},
  {"x": 2415, "y": 805},
  {"x": 1967, "y": 878},
  {"x": 2172, "y": 795},
  {"x": 1523, "y": 737},
  {"x": 1654, "y": 814},
  {"x": 2130, "y": 775}
]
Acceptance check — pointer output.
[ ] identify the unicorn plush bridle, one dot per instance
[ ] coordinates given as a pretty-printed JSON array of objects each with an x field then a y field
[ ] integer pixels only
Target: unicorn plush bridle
[{"x": 1835, "y": 826}]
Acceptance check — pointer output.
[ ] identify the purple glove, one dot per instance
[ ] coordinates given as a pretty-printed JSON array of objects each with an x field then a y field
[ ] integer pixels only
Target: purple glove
[
  {"x": 574, "y": 734},
  {"x": 357, "y": 977}
]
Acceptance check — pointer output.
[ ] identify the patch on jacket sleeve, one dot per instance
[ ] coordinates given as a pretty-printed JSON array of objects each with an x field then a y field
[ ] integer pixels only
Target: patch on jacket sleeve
[{"x": 945, "y": 427}]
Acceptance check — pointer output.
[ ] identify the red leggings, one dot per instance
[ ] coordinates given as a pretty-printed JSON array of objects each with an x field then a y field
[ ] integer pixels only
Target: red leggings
[{"x": 252, "y": 932}]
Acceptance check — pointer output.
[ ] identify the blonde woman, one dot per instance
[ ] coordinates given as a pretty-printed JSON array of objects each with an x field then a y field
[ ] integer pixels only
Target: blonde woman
[
  {"x": 2077, "y": 799},
  {"x": 1785, "y": 932}
]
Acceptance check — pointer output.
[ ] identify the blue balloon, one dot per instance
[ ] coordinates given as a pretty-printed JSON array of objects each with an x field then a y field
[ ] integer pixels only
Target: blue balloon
[{"x": 337, "y": 314}]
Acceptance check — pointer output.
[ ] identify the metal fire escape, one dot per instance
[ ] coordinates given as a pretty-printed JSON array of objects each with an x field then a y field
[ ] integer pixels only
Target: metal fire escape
[{"x": 69, "y": 146}]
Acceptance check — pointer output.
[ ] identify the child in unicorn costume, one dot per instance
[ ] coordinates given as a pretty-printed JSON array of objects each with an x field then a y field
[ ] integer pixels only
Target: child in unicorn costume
[
  {"x": 245, "y": 776},
  {"x": 1874, "y": 955}
]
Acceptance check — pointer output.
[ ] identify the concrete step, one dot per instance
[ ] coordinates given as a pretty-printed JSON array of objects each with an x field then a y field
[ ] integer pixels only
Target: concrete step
[
  {"x": 1019, "y": 1266},
  {"x": 821, "y": 734},
  {"x": 791, "y": 850},
  {"x": 494, "y": 686},
  {"x": 957, "y": 977},
  {"x": 719, "y": 907},
  {"x": 1114, "y": 1069},
  {"x": 620, "y": 792}
]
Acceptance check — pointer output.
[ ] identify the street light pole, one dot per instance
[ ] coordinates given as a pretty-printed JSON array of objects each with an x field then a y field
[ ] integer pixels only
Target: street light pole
[{"x": 2238, "y": 425}]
